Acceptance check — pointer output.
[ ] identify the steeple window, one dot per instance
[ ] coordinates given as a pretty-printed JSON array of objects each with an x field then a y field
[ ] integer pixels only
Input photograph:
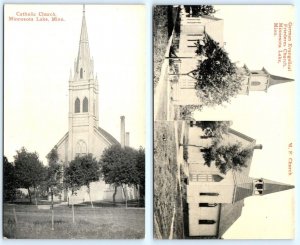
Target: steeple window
[
  {"x": 209, "y": 194},
  {"x": 77, "y": 105},
  {"x": 81, "y": 73},
  {"x": 85, "y": 105}
]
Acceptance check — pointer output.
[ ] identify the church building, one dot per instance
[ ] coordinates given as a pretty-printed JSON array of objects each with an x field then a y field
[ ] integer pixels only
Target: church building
[
  {"x": 84, "y": 135},
  {"x": 215, "y": 200},
  {"x": 193, "y": 29}
]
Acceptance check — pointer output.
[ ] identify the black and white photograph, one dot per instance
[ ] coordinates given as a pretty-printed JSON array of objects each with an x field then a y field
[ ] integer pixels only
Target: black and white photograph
[
  {"x": 74, "y": 121},
  {"x": 224, "y": 121}
]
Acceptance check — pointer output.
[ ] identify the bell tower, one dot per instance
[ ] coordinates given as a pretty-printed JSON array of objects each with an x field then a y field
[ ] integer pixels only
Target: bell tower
[
  {"x": 83, "y": 99},
  {"x": 264, "y": 186},
  {"x": 259, "y": 80}
]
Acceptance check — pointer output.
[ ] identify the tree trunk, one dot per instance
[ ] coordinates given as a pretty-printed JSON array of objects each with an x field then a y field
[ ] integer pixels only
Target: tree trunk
[
  {"x": 35, "y": 197},
  {"x": 29, "y": 194},
  {"x": 52, "y": 211},
  {"x": 114, "y": 195},
  {"x": 89, "y": 191},
  {"x": 125, "y": 195}
]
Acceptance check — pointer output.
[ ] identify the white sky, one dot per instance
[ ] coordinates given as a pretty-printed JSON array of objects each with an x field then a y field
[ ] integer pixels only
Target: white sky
[
  {"x": 38, "y": 59},
  {"x": 267, "y": 117}
]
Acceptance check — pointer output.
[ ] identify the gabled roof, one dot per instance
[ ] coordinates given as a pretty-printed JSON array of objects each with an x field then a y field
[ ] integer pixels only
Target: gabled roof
[
  {"x": 241, "y": 135},
  {"x": 108, "y": 136}
]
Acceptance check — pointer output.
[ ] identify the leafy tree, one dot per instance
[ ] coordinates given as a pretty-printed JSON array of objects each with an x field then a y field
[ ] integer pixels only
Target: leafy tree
[
  {"x": 29, "y": 170},
  {"x": 217, "y": 78},
  {"x": 54, "y": 174},
  {"x": 9, "y": 180},
  {"x": 218, "y": 128},
  {"x": 140, "y": 165},
  {"x": 200, "y": 10},
  {"x": 81, "y": 172},
  {"x": 122, "y": 166},
  {"x": 227, "y": 156}
]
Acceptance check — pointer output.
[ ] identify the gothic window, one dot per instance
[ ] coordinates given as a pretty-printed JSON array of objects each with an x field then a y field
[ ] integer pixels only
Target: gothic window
[
  {"x": 85, "y": 105},
  {"x": 209, "y": 205},
  {"x": 81, "y": 73},
  {"x": 254, "y": 72},
  {"x": 94, "y": 107},
  {"x": 81, "y": 148},
  {"x": 209, "y": 194},
  {"x": 255, "y": 83},
  {"x": 77, "y": 105},
  {"x": 206, "y": 222}
]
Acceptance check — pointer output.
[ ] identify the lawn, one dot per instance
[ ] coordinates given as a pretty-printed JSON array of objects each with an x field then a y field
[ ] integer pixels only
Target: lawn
[
  {"x": 166, "y": 191},
  {"x": 97, "y": 223},
  {"x": 163, "y": 23}
]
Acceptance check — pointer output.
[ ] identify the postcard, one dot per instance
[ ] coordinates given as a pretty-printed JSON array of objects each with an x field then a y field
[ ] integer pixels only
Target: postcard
[
  {"x": 74, "y": 121},
  {"x": 224, "y": 121}
]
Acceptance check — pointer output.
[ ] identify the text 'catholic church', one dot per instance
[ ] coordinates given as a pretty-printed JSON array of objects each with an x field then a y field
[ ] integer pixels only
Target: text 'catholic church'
[{"x": 84, "y": 135}]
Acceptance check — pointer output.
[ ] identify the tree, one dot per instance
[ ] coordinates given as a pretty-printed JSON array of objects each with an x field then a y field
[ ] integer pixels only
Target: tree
[
  {"x": 119, "y": 167},
  {"x": 9, "y": 180},
  {"x": 30, "y": 172},
  {"x": 200, "y": 10},
  {"x": 81, "y": 172},
  {"x": 218, "y": 128},
  {"x": 227, "y": 157},
  {"x": 54, "y": 175},
  {"x": 140, "y": 165},
  {"x": 217, "y": 78}
]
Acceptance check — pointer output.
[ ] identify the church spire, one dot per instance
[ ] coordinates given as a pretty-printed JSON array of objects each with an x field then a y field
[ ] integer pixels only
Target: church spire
[
  {"x": 270, "y": 186},
  {"x": 84, "y": 66}
]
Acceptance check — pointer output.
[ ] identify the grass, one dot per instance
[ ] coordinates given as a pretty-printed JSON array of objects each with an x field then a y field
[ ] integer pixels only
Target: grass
[
  {"x": 166, "y": 193},
  {"x": 97, "y": 223},
  {"x": 163, "y": 23}
]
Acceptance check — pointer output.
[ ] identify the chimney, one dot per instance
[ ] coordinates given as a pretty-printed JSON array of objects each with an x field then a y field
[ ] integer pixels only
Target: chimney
[
  {"x": 122, "y": 136},
  {"x": 259, "y": 147},
  {"x": 127, "y": 139}
]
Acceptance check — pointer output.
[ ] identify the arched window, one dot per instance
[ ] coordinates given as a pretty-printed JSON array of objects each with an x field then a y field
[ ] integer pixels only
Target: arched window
[
  {"x": 209, "y": 194},
  {"x": 206, "y": 222},
  {"x": 255, "y": 83},
  {"x": 77, "y": 105},
  {"x": 81, "y": 148},
  {"x": 81, "y": 73},
  {"x": 209, "y": 205},
  {"x": 85, "y": 105}
]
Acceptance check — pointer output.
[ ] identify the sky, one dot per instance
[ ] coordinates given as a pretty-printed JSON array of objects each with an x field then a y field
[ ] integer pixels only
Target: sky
[
  {"x": 39, "y": 56},
  {"x": 267, "y": 117}
]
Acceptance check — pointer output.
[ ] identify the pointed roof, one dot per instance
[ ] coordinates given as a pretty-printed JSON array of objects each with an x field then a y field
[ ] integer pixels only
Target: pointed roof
[
  {"x": 271, "y": 186},
  {"x": 274, "y": 80},
  {"x": 83, "y": 58}
]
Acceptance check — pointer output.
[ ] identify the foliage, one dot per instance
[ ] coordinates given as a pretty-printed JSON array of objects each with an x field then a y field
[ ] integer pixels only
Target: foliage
[
  {"x": 140, "y": 165},
  {"x": 227, "y": 156},
  {"x": 121, "y": 166},
  {"x": 81, "y": 172},
  {"x": 9, "y": 181},
  {"x": 218, "y": 79},
  {"x": 219, "y": 128},
  {"x": 186, "y": 111},
  {"x": 54, "y": 174},
  {"x": 200, "y": 10},
  {"x": 29, "y": 170}
]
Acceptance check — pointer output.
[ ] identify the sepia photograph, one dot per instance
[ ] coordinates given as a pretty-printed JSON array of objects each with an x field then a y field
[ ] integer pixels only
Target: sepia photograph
[
  {"x": 74, "y": 121},
  {"x": 224, "y": 121}
]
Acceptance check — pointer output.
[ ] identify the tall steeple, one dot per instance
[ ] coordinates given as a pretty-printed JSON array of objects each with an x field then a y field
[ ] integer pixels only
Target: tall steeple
[
  {"x": 84, "y": 64},
  {"x": 83, "y": 99},
  {"x": 270, "y": 186}
]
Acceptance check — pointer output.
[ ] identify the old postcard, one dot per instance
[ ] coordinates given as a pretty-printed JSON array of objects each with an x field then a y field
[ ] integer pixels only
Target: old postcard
[
  {"x": 74, "y": 121},
  {"x": 224, "y": 121}
]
